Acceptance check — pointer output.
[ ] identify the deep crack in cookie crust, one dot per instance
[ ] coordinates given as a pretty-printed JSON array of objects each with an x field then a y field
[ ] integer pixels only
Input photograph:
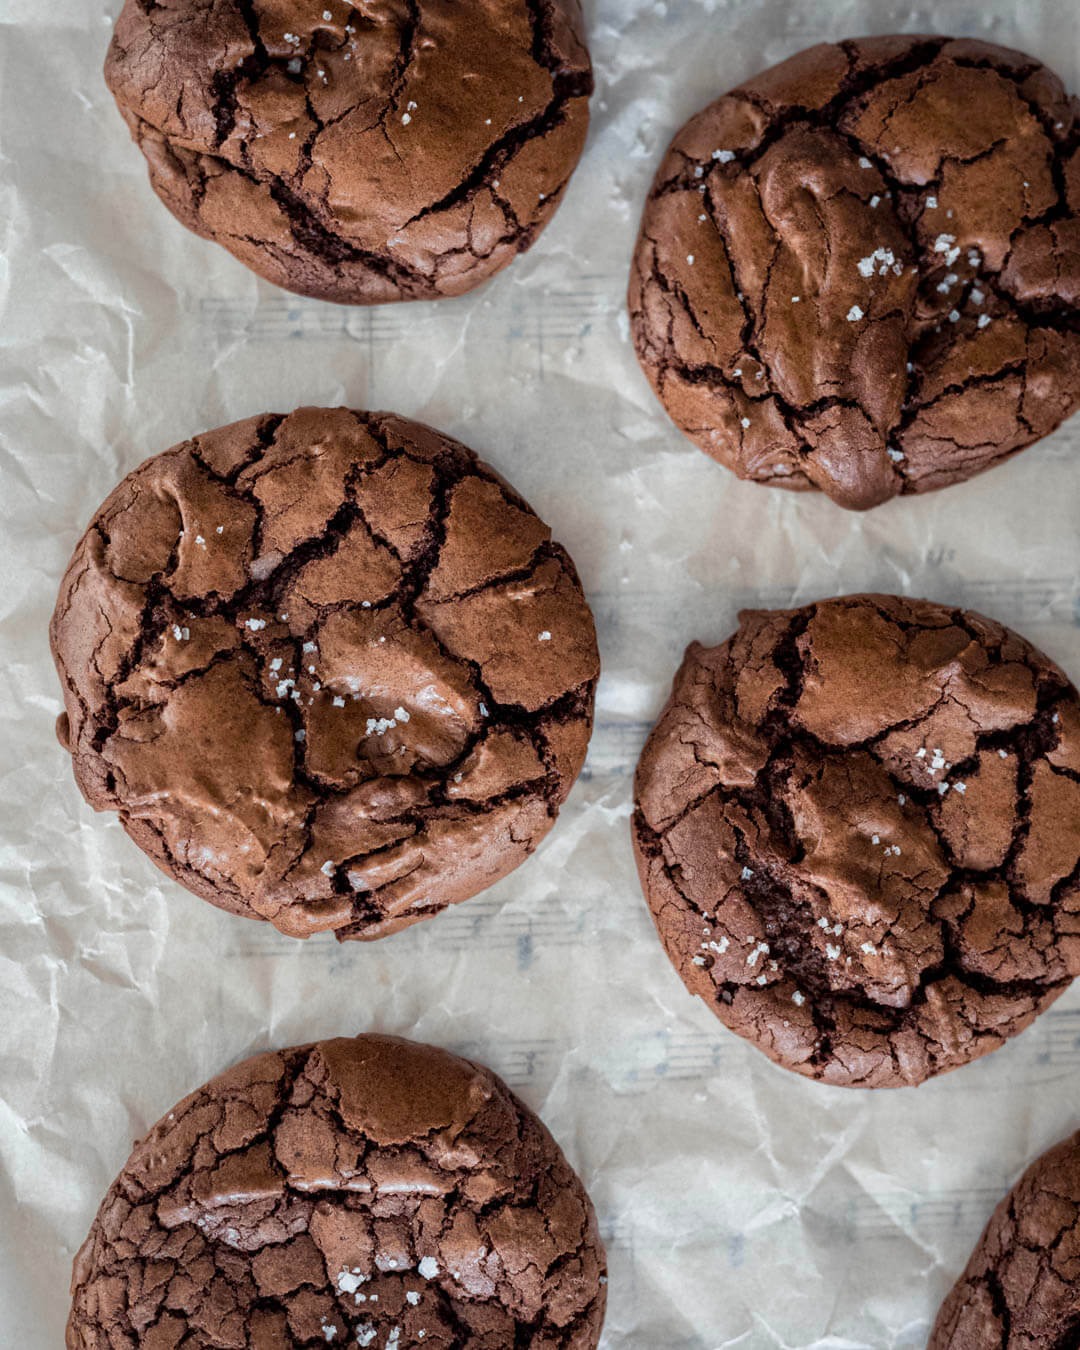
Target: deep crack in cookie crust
[
  {"x": 368, "y": 1192},
  {"x": 1019, "y": 1291},
  {"x": 385, "y": 150},
  {"x": 860, "y": 271},
  {"x": 858, "y": 830},
  {"x": 329, "y": 669}
]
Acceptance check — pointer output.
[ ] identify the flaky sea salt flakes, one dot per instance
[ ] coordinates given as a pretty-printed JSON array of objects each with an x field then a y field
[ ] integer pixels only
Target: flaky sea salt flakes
[
  {"x": 879, "y": 261},
  {"x": 545, "y": 636},
  {"x": 763, "y": 979},
  {"x": 794, "y": 299},
  {"x": 327, "y": 869},
  {"x": 960, "y": 787},
  {"x": 428, "y": 1268},
  {"x": 723, "y": 156},
  {"x": 954, "y": 316},
  {"x": 699, "y": 172},
  {"x": 896, "y": 456},
  {"x": 328, "y": 1329},
  {"x": 412, "y": 1298},
  {"x": 831, "y": 952},
  {"x": 301, "y": 735},
  {"x": 977, "y": 297},
  {"x": 875, "y": 201},
  {"x": 365, "y": 1334},
  {"x": 699, "y": 960},
  {"x": 942, "y": 789},
  {"x": 864, "y": 163},
  {"x": 349, "y": 1281},
  {"x": 798, "y": 999},
  {"x": 746, "y": 874},
  {"x": 402, "y": 715},
  {"x": 984, "y": 319},
  {"x": 854, "y": 314},
  {"x": 690, "y": 259},
  {"x": 868, "y": 948},
  {"x": 484, "y": 710},
  {"x": 327, "y": 15},
  {"x": 875, "y": 840},
  {"x": 256, "y": 625},
  {"x": 309, "y": 646},
  {"x": 745, "y": 422},
  {"x": 406, "y": 118},
  {"x": 931, "y": 203}
]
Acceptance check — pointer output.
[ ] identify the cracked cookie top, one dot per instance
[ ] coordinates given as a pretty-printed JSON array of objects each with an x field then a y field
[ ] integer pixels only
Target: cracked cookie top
[
  {"x": 329, "y": 669},
  {"x": 858, "y": 830},
  {"x": 368, "y": 1192},
  {"x": 368, "y": 152},
  {"x": 1019, "y": 1291},
  {"x": 859, "y": 272}
]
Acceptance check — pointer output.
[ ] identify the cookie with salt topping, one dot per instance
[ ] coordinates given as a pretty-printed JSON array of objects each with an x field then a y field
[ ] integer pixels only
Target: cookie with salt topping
[
  {"x": 857, "y": 827},
  {"x": 859, "y": 272},
  {"x": 369, "y": 1192},
  {"x": 328, "y": 668},
  {"x": 359, "y": 153}
]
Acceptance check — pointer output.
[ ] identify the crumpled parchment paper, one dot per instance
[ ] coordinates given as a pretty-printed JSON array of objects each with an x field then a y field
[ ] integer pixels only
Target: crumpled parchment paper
[{"x": 742, "y": 1206}]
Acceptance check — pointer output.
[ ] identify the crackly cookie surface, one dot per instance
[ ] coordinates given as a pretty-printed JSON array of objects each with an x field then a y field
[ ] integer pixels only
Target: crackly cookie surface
[
  {"x": 368, "y": 1192},
  {"x": 383, "y": 150},
  {"x": 329, "y": 669},
  {"x": 858, "y": 830},
  {"x": 1021, "y": 1288},
  {"x": 859, "y": 272}
]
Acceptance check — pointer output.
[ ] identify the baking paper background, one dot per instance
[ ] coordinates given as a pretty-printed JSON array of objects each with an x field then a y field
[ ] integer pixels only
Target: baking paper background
[{"x": 742, "y": 1207}]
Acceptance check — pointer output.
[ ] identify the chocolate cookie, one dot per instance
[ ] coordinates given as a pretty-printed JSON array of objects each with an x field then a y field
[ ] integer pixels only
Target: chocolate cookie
[
  {"x": 859, "y": 272},
  {"x": 361, "y": 153},
  {"x": 858, "y": 830},
  {"x": 1021, "y": 1289},
  {"x": 368, "y": 1192},
  {"x": 328, "y": 668}
]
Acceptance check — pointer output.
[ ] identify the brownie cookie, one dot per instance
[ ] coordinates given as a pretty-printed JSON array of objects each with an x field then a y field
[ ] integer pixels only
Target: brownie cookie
[
  {"x": 1021, "y": 1289},
  {"x": 361, "y": 153},
  {"x": 368, "y": 1192},
  {"x": 858, "y": 830},
  {"x": 859, "y": 272},
  {"x": 328, "y": 668}
]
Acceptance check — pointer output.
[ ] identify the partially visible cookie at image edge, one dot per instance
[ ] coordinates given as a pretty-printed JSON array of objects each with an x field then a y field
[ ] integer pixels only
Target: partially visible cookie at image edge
[
  {"x": 403, "y": 151},
  {"x": 859, "y": 272},
  {"x": 369, "y": 1192},
  {"x": 857, "y": 826},
  {"x": 329, "y": 669},
  {"x": 1019, "y": 1291}
]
